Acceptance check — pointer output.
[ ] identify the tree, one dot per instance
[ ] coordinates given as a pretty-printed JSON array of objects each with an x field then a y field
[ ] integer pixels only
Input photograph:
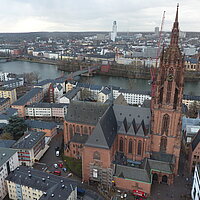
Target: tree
[
  {"x": 16, "y": 127},
  {"x": 6, "y": 136},
  {"x": 193, "y": 110}
]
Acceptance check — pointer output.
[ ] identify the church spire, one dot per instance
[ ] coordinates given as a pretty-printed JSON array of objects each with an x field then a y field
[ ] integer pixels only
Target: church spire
[{"x": 175, "y": 30}]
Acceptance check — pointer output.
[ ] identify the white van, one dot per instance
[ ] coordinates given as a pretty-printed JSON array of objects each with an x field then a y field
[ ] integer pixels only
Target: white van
[{"x": 57, "y": 153}]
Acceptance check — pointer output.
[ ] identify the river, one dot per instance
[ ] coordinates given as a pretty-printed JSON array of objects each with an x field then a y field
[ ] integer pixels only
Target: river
[{"x": 50, "y": 71}]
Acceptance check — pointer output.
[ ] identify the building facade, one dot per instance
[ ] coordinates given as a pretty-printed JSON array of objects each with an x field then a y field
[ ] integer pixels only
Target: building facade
[
  {"x": 8, "y": 93},
  {"x": 8, "y": 162},
  {"x": 195, "y": 193}
]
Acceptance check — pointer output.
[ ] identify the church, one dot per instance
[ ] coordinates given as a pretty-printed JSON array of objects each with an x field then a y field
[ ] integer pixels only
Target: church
[{"x": 131, "y": 147}]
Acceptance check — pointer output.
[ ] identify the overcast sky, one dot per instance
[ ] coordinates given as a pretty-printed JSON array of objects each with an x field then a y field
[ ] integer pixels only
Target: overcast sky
[{"x": 96, "y": 15}]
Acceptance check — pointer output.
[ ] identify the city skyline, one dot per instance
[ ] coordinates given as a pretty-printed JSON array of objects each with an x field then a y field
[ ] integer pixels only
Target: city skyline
[{"x": 95, "y": 15}]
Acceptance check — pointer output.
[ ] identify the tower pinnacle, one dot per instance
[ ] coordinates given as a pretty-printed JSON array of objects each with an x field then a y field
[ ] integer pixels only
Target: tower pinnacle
[{"x": 175, "y": 30}]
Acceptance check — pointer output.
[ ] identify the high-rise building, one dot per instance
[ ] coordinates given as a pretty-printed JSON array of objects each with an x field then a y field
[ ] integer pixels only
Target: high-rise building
[
  {"x": 156, "y": 31},
  {"x": 114, "y": 31}
]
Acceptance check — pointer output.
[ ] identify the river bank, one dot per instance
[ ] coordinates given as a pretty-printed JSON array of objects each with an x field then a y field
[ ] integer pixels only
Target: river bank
[{"x": 116, "y": 70}]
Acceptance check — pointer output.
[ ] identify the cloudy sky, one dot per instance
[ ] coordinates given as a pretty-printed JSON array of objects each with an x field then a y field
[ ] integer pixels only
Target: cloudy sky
[{"x": 95, "y": 15}]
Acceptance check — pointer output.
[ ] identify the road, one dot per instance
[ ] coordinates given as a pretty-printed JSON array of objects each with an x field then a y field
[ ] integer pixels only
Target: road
[{"x": 49, "y": 158}]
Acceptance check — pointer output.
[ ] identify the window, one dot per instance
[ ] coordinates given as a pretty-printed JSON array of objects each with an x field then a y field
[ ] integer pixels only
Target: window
[
  {"x": 121, "y": 144},
  {"x": 139, "y": 150},
  {"x": 95, "y": 173},
  {"x": 96, "y": 155},
  {"x": 163, "y": 144},
  {"x": 165, "y": 124},
  {"x": 77, "y": 129},
  {"x": 130, "y": 146}
]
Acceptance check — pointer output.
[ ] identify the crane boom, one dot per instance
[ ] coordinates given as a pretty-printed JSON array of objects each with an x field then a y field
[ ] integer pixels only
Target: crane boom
[{"x": 153, "y": 69}]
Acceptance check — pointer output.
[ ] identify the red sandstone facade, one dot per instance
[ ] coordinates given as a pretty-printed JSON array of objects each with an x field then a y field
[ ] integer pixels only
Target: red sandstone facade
[{"x": 164, "y": 137}]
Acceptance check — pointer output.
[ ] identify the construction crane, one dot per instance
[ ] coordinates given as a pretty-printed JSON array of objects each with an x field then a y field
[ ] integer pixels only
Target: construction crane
[{"x": 154, "y": 69}]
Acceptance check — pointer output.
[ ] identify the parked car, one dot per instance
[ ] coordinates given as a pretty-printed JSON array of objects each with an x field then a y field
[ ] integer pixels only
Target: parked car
[
  {"x": 60, "y": 165},
  {"x": 80, "y": 191},
  {"x": 57, "y": 153},
  {"x": 55, "y": 165},
  {"x": 57, "y": 173},
  {"x": 57, "y": 148},
  {"x": 70, "y": 174},
  {"x": 65, "y": 169}
]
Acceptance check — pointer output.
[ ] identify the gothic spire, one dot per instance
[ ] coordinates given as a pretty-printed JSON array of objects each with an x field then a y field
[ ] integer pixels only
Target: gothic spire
[{"x": 175, "y": 30}]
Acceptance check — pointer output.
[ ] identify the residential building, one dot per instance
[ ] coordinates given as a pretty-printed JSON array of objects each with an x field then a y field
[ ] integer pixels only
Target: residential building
[
  {"x": 104, "y": 94},
  {"x": 44, "y": 85},
  {"x": 73, "y": 94},
  {"x": 30, "y": 147},
  {"x": 35, "y": 95},
  {"x": 46, "y": 110},
  {"x": 4, "y": 76},
  {"x": 190, "y": 99},
  {"x": 8, "y": 93},
  {"x": 194, "y": 152},
  {"x": 14, "y": 83},
  {"x": 50, "y": 128},
  {"x": 31, "y": 184},
  {"x": 8, "y": 162},
  {"x": 195, "y": 193},
  {"x": 4, "y": 104}
]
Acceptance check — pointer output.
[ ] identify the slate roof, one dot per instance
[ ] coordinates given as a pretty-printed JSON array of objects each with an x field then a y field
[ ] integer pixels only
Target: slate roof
[
  {"x": 72, "y": 93},
  {"x": 133, "y": 173},
  {"x": 3, "y": 100},
  {"x": 5, "y": 154},
  {"x": 195, "y": 141},
  {"x": 29, "y": 95},
  {"x": 29, "y": 140},
  {"x": 132, "y": 112},
  {"x": 50, "y": 184},
  {"x": 163, "y": 157},
  {"x": 191, "y": 97},
  {"x": 40, "y": 124},
  {"x": 105, "y": 131},
  {"x": 105, "y": 91},
  {"x": 85, "y": 112},
  {"x": 6, "y": 143},
  {"x": 77, "y": 138},
  {"x": 47, "y": 105},
  {"x": 44, "y": 82},
  {"x": 160, "y": 166}
]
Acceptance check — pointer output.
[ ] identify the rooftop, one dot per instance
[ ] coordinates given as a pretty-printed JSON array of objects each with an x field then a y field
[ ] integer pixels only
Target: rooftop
[
  {"x": 29, "y": 140},
  {"x": 29, "y": 95},
  {"x": 52, "y": 186},
  {"x": 5, "y": 154},
  {"x": 40, "y": 124}
]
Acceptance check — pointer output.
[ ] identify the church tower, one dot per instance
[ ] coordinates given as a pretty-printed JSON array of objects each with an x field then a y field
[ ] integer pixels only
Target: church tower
[{"x": 167, "y": 102}]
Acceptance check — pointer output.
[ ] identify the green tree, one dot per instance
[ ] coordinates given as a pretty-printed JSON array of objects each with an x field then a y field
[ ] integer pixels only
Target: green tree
[
  {"x": 16, "y": 127},
  {"x": 193, "y": 110}
]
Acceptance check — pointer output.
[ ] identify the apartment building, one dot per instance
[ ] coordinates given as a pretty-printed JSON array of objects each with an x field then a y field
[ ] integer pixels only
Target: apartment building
[
  {"x": 50, "y": 128},
  {"x": 13, "y": 83},
  {"x": 8, "y": 93},
  {"x": 44, "y": 85},
  {"x": 46, "y": 110},
  {"x": 8, "y": 162},
  {"x": 31, "y": 184},
  {"x": 4, "y": 104},
  {"x": 35, "y": 95},
  {"x": 30, "y": 147}
]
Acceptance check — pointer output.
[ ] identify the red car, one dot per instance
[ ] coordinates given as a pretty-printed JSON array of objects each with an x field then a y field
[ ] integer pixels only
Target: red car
[
  {"x": 57, "y": 173},
  {"x": 60, "y": 165}
]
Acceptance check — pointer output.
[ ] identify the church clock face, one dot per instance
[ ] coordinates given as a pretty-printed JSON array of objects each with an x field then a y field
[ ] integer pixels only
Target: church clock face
[{"x": 170, "y": 77}]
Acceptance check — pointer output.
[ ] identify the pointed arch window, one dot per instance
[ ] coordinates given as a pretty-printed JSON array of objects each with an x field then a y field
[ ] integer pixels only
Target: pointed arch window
[
  {"x": 71, "y": 131},
  {"x": 85, "y": 130},
  {"x": 130, "y": 146},
  {"x": 163, "y": 144},
  {"x": 139, "y": 149},
  {"x": 165, "y": 124},
  {"x": 121, "y": 145},
  {"x": 77, "y": 129}
]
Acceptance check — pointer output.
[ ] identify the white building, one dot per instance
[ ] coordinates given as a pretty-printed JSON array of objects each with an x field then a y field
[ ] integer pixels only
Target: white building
[
  {"x": 132, "y": 97},
  {"x": 8, "y": 162},
  {"x": 31, "y": 184},
  {"x": 51, "y": 110},
  {"x": 4, "y": 76},
  {"x": 195, "y": 193},
  {"x": 30, "y": 147}
]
